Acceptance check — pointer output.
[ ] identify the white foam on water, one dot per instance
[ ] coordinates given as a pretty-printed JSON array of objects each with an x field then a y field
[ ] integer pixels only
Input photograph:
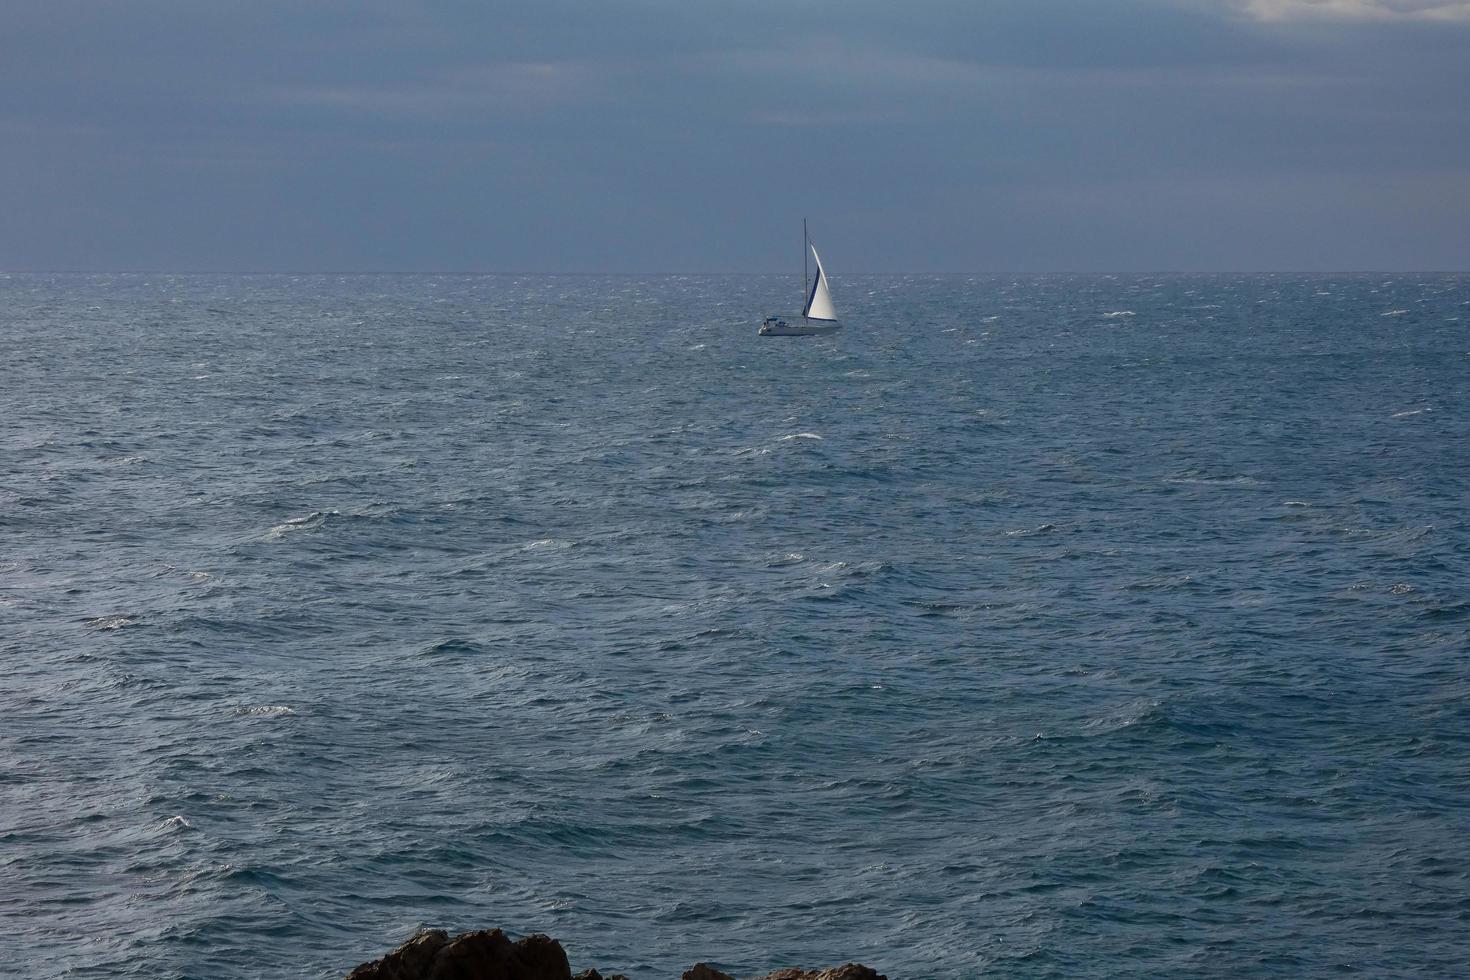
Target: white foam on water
[
  {"x": 546, "y": 544},
  {"x": 264, "y": 710},
  {"x": 111, "y": 622},
  {"x": 1028, "y": 531},
  {"x": 1223, "y": 481},
  {"x": 313, "y": 520}
]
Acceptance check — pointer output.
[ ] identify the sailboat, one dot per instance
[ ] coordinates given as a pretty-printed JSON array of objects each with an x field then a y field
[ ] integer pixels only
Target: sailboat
[{"x": 818, "y": 316}]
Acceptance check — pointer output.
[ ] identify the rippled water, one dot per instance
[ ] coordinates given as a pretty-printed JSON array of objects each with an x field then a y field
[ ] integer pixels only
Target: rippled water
[{"x": 1044, "y": 627}]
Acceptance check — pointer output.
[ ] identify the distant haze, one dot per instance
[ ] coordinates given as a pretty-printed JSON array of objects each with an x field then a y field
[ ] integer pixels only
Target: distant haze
[{"x": 655, "y": 135}]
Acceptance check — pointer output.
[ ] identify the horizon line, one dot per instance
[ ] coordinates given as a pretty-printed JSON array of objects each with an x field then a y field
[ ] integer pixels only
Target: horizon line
[{"x": 465, "y": 274}]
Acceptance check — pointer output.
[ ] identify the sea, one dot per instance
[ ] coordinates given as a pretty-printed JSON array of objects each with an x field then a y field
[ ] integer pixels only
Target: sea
[{"x": 1051, "y": 626}]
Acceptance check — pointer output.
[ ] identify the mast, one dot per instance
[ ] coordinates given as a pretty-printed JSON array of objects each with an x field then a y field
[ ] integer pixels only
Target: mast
[{"x": 804, "y": 242}]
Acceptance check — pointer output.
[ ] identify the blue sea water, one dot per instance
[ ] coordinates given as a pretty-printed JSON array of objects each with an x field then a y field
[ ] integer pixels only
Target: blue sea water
[{"x": 1040, "y": 627}]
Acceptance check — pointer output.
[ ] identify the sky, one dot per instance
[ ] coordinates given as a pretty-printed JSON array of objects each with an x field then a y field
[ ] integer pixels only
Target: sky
[{"x": 975, "y": 136}]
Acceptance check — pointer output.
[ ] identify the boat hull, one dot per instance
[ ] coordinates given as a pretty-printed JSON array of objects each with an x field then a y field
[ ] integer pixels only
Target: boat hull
[{"x": 801, "y": 328}]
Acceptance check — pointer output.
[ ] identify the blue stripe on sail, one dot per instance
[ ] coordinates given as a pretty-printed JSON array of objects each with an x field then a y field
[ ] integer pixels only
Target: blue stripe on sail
[{"x": 813, "y": 294}]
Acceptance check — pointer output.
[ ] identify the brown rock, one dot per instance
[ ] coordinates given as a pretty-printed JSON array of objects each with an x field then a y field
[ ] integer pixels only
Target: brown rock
[
  {"x": 852, "y": 971},
  {"x": 490, "y": 955},
  {"x": 407, "y": 962},
  {"x": 484, "y": 955},
  {"x": 703, "y": 971}
]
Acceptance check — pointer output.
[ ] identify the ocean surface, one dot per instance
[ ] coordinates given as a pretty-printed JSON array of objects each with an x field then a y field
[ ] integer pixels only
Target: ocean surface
[{"x": 1037, "y": 627}]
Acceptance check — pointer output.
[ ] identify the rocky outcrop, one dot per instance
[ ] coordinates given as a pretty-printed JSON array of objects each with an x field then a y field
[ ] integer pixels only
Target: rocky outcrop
[
  {"x": 484, "y": 955},
  {"x": 490, "y": 955},
  {"x": 852, "y": 971},
  {"x": 703, "y": 971}
]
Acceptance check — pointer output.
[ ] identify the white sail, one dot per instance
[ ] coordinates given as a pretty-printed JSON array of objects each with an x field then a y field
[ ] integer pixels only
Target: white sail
[
  {"x": 818, "y": 316},
  {"x": 819, "y": 303}
]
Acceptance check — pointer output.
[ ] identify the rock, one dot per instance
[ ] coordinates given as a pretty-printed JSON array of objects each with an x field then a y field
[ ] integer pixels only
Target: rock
[
  {"x": 490, "y": 955},
  {"x": 411, "y": 960},
  {"x": 852, "y": 971},
  {"x": 703, "y": 971},
  {"x": 484, "y": 955}
]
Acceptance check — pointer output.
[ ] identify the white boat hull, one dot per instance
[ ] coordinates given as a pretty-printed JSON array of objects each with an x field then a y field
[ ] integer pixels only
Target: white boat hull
[{"x": 774, "y": 327}]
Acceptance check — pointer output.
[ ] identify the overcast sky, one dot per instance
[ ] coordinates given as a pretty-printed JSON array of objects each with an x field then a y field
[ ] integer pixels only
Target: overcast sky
[{"x": 694, "y": 135}]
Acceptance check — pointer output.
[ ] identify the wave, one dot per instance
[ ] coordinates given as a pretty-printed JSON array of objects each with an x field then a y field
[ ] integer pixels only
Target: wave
[
  {"x": 546, "y": 544},
  {"x": 368, "y": 514},
  {"x": 310, "y": 522},
  {"x": 263, "y": 710},
  {"x": 927, "y": 608},
  {"x": 1453, "y": 611},
  {"x": 453, "y": 648},
  {"x": 111, "y": 622},
  {"x": 1142, "y": 711},
  {"x": 1240, "y": 480}
]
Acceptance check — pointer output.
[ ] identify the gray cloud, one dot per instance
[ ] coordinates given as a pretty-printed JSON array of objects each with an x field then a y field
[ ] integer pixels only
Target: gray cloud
[
  {"x": 1359, "y": 10},
  {"x": 660, "y": 135}
]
